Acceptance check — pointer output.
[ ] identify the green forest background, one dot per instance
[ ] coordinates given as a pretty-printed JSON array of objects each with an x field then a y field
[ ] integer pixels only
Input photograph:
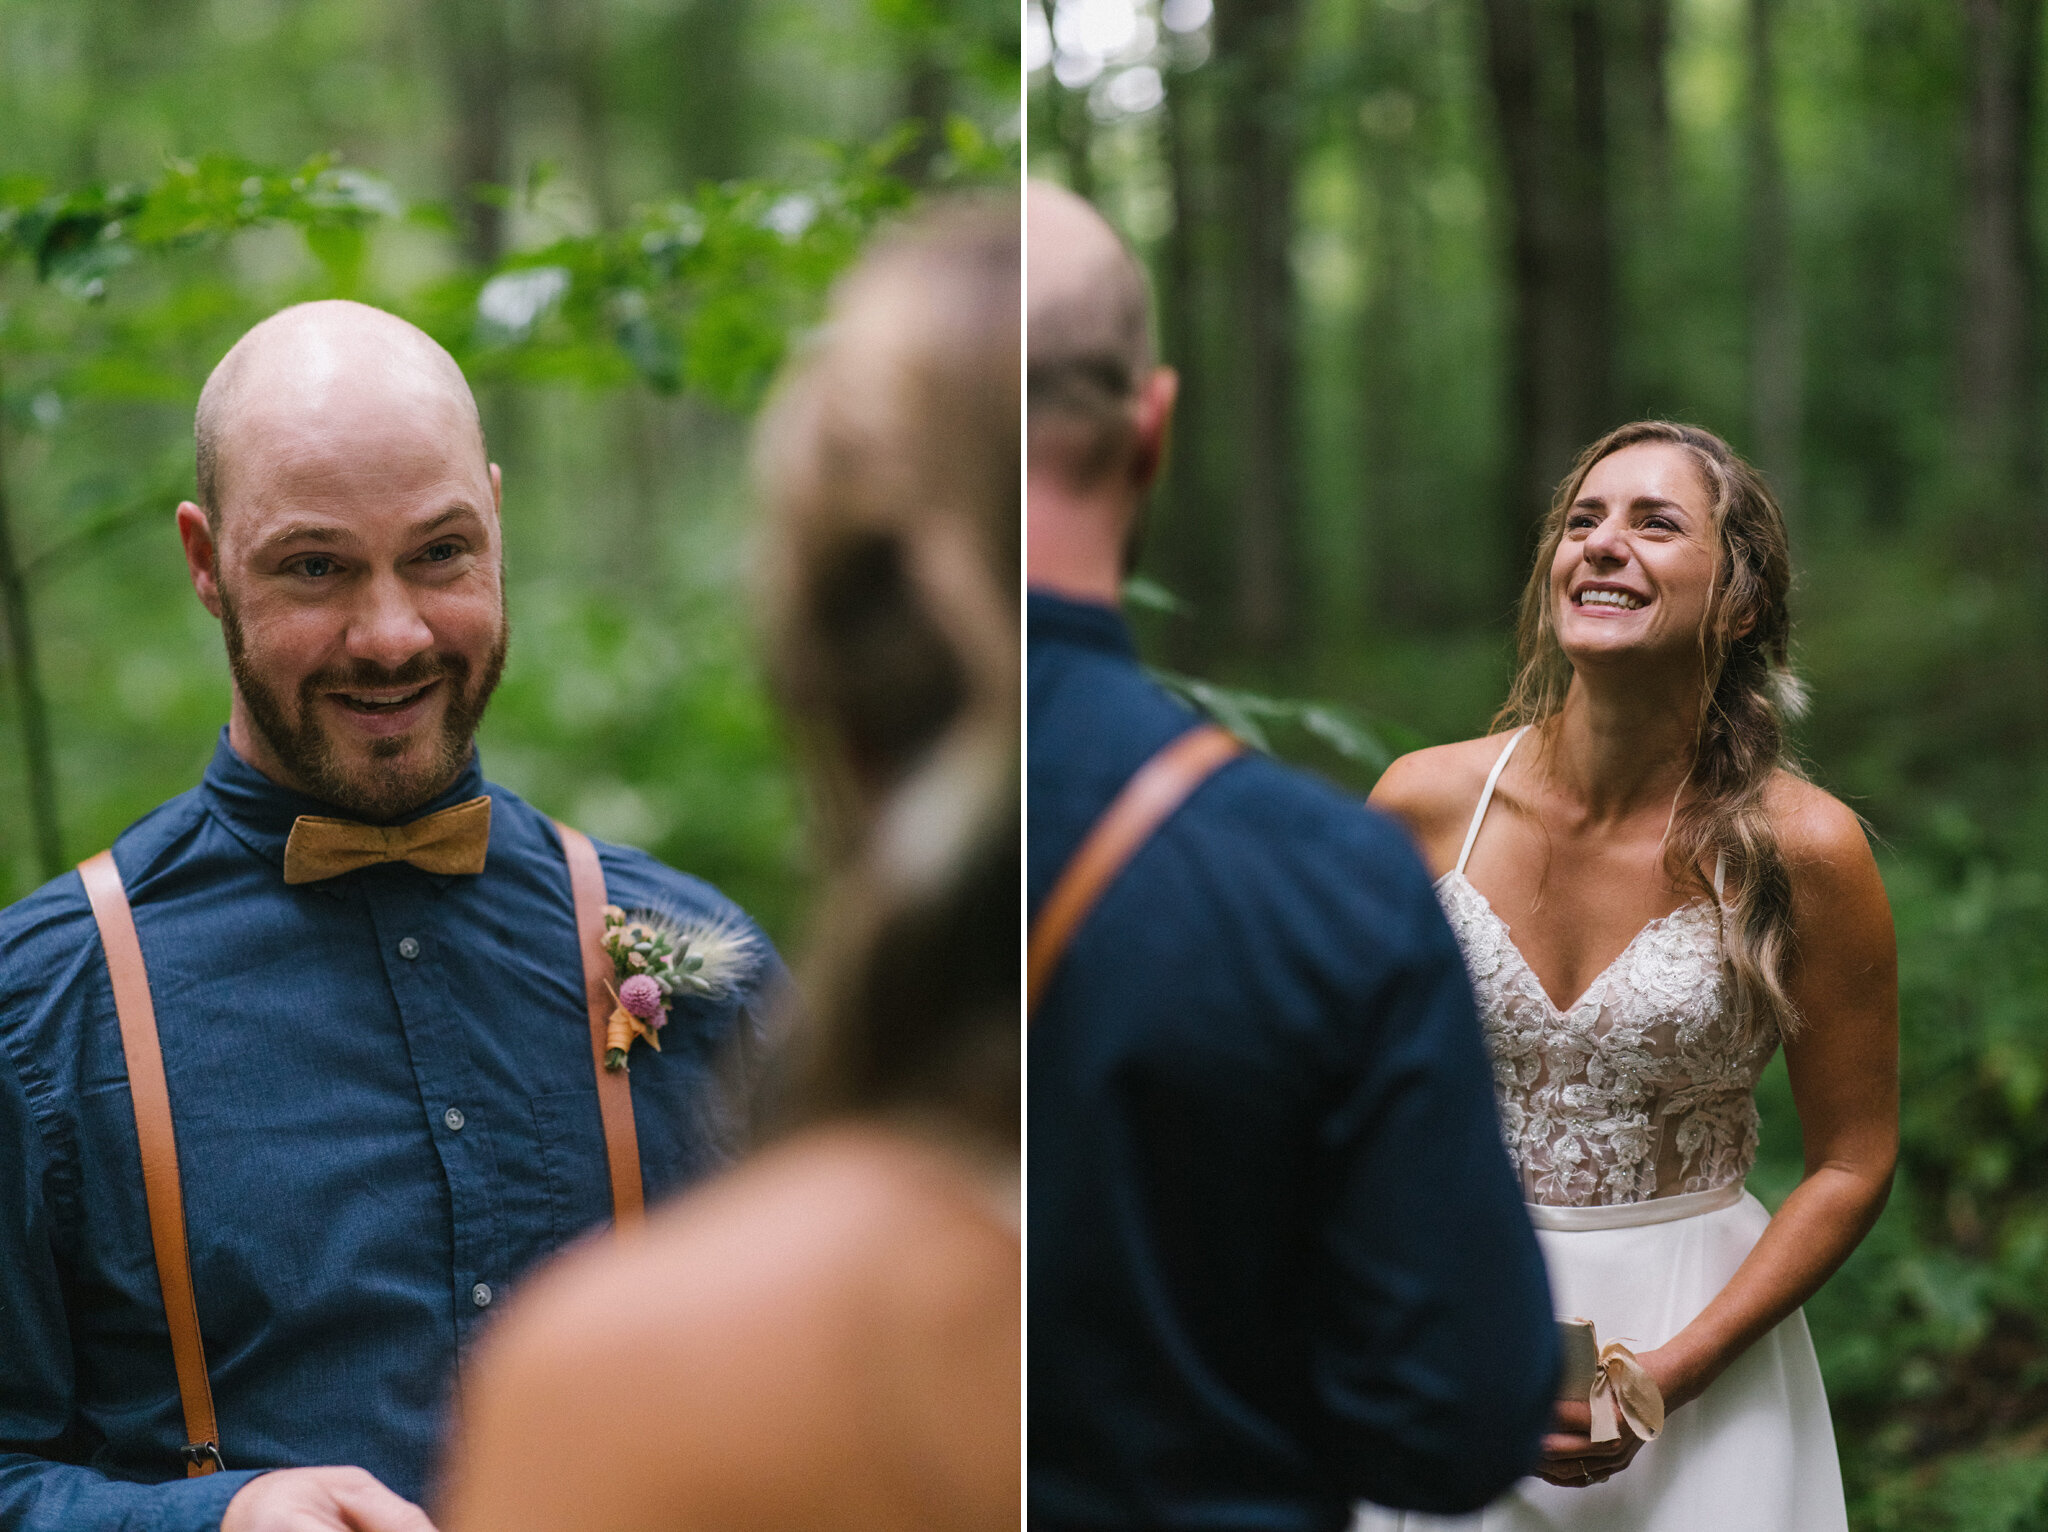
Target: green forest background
[
  {"x": 616, "y": 213},
  {"x": 1411, "y": 255}
]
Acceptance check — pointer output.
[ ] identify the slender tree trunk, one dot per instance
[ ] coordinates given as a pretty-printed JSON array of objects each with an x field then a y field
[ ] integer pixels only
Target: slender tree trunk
[
  {"x": 1184, "y": 506},
  {"x": 714, "y": 104},
  {"x": 1072, "y": 129},
  {"x": 1776, "y": 349},
  {"x": 1383, "y": 351},
  {"x": 1650, "y": 369},
  {"x": 1998, "y": 368},
  {"x": 38, "y": 765},
  {"x": 480, "y": 74},
  {"x": 1653, "y": 43},
  {"x": 1255, "y": 52},
  {"x": 927, "y": 99},
  {"x": 571, "y": 57},
  {"x": 1582, "y": 251},
  {"x": 1547, "y": 69}
]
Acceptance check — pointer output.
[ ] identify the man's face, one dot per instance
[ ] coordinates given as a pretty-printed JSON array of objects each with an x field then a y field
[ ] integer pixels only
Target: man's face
[{"x": 357, "y": 576}]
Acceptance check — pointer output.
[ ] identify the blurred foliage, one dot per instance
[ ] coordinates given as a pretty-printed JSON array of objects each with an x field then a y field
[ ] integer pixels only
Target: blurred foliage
[
  {"x": 1921, "y": 575},
  {"x": 673, "y": 185}
]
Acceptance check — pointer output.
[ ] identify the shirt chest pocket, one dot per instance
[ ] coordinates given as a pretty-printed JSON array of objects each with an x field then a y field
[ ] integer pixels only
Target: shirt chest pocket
[{"x": 575, "y": 1182}]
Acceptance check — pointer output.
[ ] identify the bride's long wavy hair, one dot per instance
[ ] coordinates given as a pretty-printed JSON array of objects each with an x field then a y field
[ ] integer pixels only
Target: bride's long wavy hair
[{"x": 1748, "y": 694}]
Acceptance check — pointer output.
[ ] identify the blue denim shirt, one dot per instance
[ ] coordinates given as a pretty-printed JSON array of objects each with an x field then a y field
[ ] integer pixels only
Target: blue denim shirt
[
  {"x": 386, "y": 1114},
  {"x": 1278, "y": 1261}
]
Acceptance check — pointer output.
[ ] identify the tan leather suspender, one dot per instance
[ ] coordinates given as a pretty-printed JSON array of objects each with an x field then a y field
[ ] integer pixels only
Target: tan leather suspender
[
  {"x": 614, "y": 1090},
  {"x": 1159, "y": 787},
  {"x": 161, "y": 1189},
  {"x": 160, "y": 1185}
]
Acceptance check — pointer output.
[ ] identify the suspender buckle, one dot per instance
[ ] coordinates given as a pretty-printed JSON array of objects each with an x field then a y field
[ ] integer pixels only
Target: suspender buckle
[{"x": 202, "y": 1457}]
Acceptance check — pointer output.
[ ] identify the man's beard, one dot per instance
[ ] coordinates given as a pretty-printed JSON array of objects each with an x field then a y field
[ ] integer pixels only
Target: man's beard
[{"x": 387, "y": 787}]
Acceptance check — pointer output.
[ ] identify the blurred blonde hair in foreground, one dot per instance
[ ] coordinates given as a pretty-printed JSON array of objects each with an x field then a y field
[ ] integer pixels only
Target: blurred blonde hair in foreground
[
  {"x": 829, "y": 1335},
  {"x": 891, "y": 462}
]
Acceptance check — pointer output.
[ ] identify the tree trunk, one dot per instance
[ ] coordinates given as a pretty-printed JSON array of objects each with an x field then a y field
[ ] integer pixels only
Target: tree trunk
[
  {"x": 37, "y": 763},
  {"x": 1185, "y": 556},
  {"x": 571, "y": 57},
  {"x": 714, "y": 105},
  {"x": 1255, "y": 52},
  {"x": 1998, "y": 374},
  {"x": 1547, "y": 69},
  {"x": 1653, "y": 42},
  {"x": 1071, "y": 128},
  {"x": 480, "y": 78},
  {"x": 1401, "y": 591},
  {"x": 927, "y": 99},
  {"x": 1776, "y": 352},
  {"x": 1649, "y": 364}
]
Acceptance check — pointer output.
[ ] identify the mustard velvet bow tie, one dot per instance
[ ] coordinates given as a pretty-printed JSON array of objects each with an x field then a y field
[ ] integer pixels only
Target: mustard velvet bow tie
[{"x": 453, "y": 840}]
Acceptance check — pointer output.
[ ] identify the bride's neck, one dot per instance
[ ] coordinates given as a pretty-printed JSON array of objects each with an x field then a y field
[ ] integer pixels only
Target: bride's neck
[{"x": 1618, "y": 749}]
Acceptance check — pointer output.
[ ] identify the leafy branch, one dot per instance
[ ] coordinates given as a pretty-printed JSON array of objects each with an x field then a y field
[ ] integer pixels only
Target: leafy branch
[
  {"x": 700, "y": 292},
  {"x": 1253, "y": 716}
]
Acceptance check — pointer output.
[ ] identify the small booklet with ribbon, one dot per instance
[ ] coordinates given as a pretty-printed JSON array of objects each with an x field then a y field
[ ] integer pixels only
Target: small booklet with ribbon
[{"x": 1610, "y": 1380}]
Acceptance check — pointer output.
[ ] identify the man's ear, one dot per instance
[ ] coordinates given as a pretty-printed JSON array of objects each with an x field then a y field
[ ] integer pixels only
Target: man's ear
[
  {"x": 497, "y": 490},
  {"x": 1152, "y": 426},
  {"x": 202, "y": 559}
]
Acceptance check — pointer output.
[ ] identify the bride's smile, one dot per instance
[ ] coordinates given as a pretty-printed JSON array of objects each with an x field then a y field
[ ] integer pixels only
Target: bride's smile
[{"x": 1634, "y": 571}]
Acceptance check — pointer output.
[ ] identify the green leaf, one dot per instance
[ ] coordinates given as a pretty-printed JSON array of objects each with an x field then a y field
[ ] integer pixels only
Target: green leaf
[{"x": 1148, "y": 595}]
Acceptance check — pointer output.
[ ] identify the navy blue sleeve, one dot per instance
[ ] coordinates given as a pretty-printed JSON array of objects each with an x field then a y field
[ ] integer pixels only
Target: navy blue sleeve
[
  {"x": 38, "y": 1493},
  {"x": 1437, "y": 1359}
]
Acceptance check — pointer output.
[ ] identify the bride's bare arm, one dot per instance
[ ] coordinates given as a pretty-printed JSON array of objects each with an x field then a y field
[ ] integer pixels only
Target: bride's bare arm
[{"x": 1843, "y": 1064}]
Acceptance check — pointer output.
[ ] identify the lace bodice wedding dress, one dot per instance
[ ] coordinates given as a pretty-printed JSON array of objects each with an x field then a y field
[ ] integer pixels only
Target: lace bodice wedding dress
[{"x": 1630, "y": 1116}]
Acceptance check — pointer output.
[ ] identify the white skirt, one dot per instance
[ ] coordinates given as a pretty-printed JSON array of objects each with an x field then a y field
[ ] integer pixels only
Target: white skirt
[{"x": 1754, "y": 1453}]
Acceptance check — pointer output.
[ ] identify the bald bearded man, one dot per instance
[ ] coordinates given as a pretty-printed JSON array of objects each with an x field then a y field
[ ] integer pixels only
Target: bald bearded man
[
  {"x": 1278, "y": 1262},
  {"x": 369, "y": 993}
]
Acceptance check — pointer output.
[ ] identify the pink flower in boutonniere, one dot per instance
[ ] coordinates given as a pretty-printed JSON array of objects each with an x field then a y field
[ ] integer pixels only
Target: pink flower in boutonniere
[
  {"x": 642, "y": 996},
  {"x": 658, "y": 956}
]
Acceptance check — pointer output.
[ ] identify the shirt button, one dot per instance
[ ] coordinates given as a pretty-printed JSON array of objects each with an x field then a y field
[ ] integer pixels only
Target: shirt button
[
  {"x": 408, "y": 948},
  {"x": 454, "y": 1118},
  {"x": 480, "y": 1295}
]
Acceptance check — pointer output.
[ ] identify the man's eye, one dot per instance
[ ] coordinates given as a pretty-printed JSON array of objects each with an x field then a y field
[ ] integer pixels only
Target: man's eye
[
  {"x": 441, "y": 553},
  {"x": 316, "y": 567}
]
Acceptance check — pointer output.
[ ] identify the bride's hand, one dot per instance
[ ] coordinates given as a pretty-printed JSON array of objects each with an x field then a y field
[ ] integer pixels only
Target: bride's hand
[{"x": 1572, "y": 1459}]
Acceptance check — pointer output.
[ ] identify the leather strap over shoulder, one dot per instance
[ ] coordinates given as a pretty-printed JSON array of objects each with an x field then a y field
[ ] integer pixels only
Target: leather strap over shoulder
[
  {"x": 160, "y": 1186},
  {"x": 1158, "y": 787},
  {"x": 614, "y": 1087}
]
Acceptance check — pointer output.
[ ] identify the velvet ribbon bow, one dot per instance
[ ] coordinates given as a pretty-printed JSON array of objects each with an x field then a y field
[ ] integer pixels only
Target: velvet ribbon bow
[
  {"x": 1623, "y": 1390},
  {"x": 451, "y": 841}
]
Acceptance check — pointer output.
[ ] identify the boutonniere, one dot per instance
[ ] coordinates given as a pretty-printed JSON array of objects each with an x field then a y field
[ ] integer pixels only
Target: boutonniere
[{"x": 656, "y": 957}]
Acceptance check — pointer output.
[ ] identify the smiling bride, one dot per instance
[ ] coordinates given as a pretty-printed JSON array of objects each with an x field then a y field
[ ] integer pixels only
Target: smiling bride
[{"x": 1651, "y": 899}]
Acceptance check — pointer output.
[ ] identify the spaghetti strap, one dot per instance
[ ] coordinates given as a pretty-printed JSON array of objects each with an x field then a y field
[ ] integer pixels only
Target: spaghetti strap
[
  {"x": 1720, "y": 871},
  {"x": 1486, "y": 797}
]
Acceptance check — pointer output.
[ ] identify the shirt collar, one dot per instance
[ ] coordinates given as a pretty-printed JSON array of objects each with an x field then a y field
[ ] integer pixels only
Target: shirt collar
[
  {"x": 1057, "y": 619},
  {"x": 260, "y": 813}
]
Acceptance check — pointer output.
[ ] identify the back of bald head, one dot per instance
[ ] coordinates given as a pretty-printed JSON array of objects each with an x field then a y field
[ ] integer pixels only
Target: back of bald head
[
  {"x": 311, "y": 361},
  {"x": 1090, "y": 346}
]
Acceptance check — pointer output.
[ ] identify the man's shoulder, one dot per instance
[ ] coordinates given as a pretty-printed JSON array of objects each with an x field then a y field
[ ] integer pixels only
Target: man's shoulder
[
  {"x": 1293, "y": 818},
  {"x": 634, "y": 879},
  {"x": 58, "y": 914}
]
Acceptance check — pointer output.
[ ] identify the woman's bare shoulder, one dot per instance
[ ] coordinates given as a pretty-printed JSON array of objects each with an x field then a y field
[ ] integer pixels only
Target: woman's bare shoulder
[
  {"x": 1815, "y": 829},
  {"x": 1838, "y": 895},
  {"x": 766, "y": 1319},
  {"x": 1434, "y": 791}
]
